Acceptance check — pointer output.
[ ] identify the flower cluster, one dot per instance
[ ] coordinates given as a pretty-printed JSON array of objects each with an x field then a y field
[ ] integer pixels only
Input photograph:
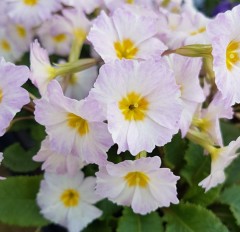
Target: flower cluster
[{"x": 159, "y": 68}]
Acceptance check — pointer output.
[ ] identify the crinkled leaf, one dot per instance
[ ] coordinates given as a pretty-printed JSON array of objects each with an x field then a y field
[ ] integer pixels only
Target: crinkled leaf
[
  {"x": 108, "y": 209},
  {"x": 192, "y": 218},
  {"x": 174, "y": 152},
  {"x": 137, "y": 223},
  {"x": 98, "y": 226},
  {"x": 197, "y": 166},
  {"x": 231, "y": 197},
  {"x": 223, "y": 212},
  {"x": 196, "y": 195},
  {"x": 19, "y": 160},
  {"x": 229, "y": 132},
  {"x": 18, "y": 201}
]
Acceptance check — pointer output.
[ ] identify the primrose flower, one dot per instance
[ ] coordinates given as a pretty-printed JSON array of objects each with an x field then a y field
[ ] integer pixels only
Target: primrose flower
[
  {"x": 141, "y": 184},
  {"x": 31, "y": 12},
  {"x": 68, "y": 200},
  {"x": 140, "y": 101},
  {"x": 55, "y": 35},
  {"x": 225, "y": 40},
  {"x": 8, "y": 48},
  {"x": 221, "y": 158},
  {"x": 115, "y": 38},
  {"x": 20, "y": 35},
  {"x": 12, "y": 95},
  {"x": 56, "y": 162},
  {"x": 207, "y": 120},
  {"x": 186, "y": 71},
  {"x": 41, "y": 69},
  {"x": 78, "y": 121}
]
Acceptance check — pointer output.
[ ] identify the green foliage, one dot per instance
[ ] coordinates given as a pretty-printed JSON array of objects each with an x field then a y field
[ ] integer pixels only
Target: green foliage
[
  {"x": 18, "y": 201},
  {"x": 174, "y": 152},
  {"x": 197, "y": 166},
  {"x": 108, "y": 209},
  {"x": 131, "y": 222},
  {"x": 196, "y": 195},
  {"x": 231, "y": 197},
  {"x": 229, "y": 132},
  {"x": 192, "y": 218},
  {"x": 19, "y": 160},
  {"x": 98, "y": 226}
]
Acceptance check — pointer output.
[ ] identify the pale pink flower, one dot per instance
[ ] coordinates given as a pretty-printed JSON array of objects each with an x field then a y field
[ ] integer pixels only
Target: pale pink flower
[
  {"x": 141, "y": 184},
  {"x": 140, "y": 101}
]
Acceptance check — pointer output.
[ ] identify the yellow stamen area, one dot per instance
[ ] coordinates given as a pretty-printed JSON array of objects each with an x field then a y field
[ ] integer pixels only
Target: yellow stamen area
[
  {"x": 21, "y": 31},
  {"x": 202, "y": 123},
  {"x": 73, "y": 80},
  {"x": 133, "y": 107},
  {"x": 30, "y": 2},
  {"x": 59, "y": 38},
  {"x": 125, "y": 49},
  {"x": 199, "y": 31},
  {"x": 137, "y": 179},
  {"x": 5, "y": 45},
  {"x": 78, "y": 123},
  {"x": 70, "y": 198},
  {"x": 79, "y": 34},
  {"x": 232, "y": 54},
  {"x": 130, "y": 1},
  {"x": 1, "y": 95}
]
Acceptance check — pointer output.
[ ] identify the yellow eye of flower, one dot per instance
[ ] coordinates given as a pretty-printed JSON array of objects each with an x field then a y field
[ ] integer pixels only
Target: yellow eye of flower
[
  {"x": 70, "y": 198},
  {"x": 232, "y": 54},
  {"x": 59, "y": 38},
  {"x": 125, "y": 49},
  {"x": 133, "y": 107},
  {"x": 1, "y": 95},
  {"x": 21, "y": 31},
  {"x": 30, "y": 2},
  {"x": 5, "y": 45},
  {"x": 80, "y": 124},
  {"x": 137, "y": 179}
]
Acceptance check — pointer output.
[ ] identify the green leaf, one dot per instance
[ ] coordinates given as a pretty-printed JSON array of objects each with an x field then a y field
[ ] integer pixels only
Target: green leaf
[
  {"x": 229, "y": 132},
  {"x": 108, "y": 209},
  {"x": 196, "y": 195},
  {"x": 231, "y": 197},
  {"x": 232, "y": 172},
  {"x": 174, "y": 152},
  {"x": 18, "y": 201},
  {"x": 19, "y": 160},
  {"x": 192, "y": 218},
  {"x": 223, "y": 212},
  {"x": 136, "y": 223},
  {"x": 98, "y": 226},
  {"x": 198, "y": 164}
]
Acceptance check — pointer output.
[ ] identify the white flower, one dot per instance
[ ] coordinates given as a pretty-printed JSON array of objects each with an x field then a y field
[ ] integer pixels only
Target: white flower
[
  {"x": 141, "y": 184},
  {"x": 68, "y": 200}
]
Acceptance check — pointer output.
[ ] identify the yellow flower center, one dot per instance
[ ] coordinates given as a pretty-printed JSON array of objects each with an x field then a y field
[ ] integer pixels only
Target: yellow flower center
[
  {"x": 80, "y": 124},
  {"x": 30, "y": 2},
  {"x": 59, "y": 38},
  {"x": 199, "y": 31},
  {"x": 125, "y": 49},
  {"x": 1, "y": 95},
  {"x": 232, "y": 54},
  {"x": 202, "y": 123},
  {"x": 130, "y": 1},
  {"x": 70, "y": 198},
  {"x": 5, "y": 45},
  {"x": 137, "y": 179},
  {"x": 21, "y": 31},
  {"x": 133, "y": 107}
]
